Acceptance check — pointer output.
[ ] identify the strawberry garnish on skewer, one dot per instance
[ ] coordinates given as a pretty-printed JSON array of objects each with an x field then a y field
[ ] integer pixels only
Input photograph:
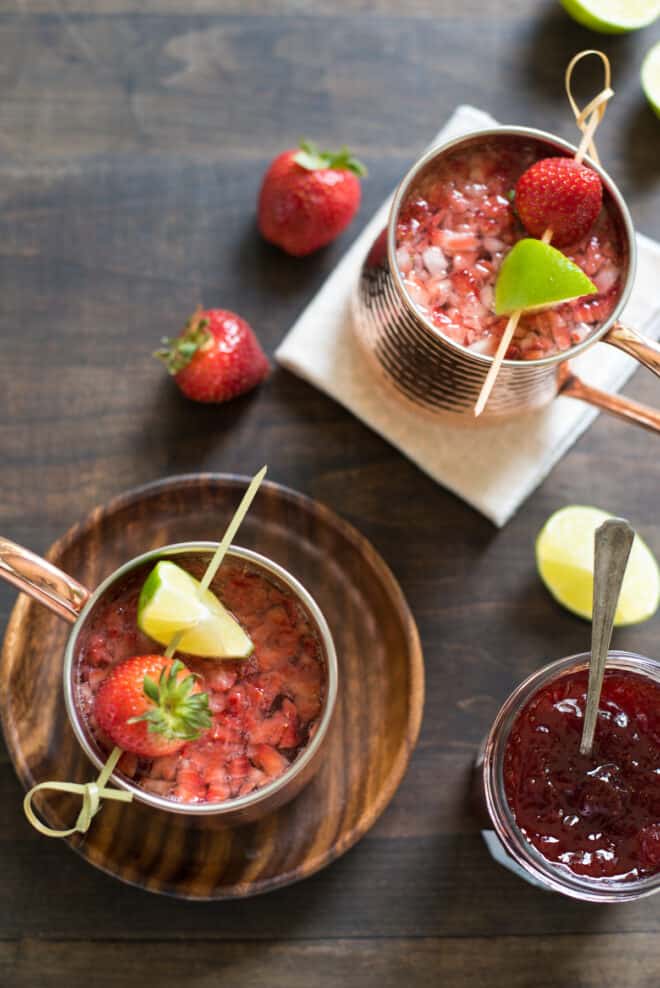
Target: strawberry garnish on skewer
[
  {"x": 152, "y": 705},
  {"x": 560, "y": 199},
  {"x": 562, "y": 194}
]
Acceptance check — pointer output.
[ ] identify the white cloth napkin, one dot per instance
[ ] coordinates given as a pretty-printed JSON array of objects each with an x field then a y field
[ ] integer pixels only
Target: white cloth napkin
[{"x": 493, "y": 467}]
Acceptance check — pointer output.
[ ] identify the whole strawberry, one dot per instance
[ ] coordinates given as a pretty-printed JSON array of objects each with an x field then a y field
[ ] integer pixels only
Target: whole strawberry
[
  {"x": 308, "y": 197},
  {"x": 561, "y": 194},
  {"x": 151, "y": 706},
  {"x": 216, "y": 357}
]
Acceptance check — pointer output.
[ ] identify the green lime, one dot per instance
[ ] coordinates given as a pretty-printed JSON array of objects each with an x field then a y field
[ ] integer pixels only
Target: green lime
[
  {"x": 172, "y": 600},
  {"x": 651, "y": 77},
  {"x": 613, "y": 16},
  {"x": 565, "y": 561},
  {"x": 535, "y": 276}
]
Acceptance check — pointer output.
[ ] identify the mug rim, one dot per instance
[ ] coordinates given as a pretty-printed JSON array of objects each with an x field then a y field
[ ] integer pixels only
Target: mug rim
[
  {"x": 227, "y": 806},
  {"x": 439, "y": 150}
]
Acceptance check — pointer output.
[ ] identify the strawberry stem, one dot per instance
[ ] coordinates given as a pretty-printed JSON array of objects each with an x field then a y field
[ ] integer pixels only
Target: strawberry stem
[
  {"x": 177, "y": 352},
  {"x": 313, "y": 159},
  {"x": 177, "y": 712}
]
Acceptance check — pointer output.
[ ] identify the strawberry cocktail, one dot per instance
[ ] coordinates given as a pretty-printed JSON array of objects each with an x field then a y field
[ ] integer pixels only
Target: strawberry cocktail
[
  {"x": 259, "y": 712},
  {"x": 456, "y": 225}
]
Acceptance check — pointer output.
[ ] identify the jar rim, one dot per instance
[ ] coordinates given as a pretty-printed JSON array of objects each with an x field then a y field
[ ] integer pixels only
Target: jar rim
[{"x": 549, "y": 874}]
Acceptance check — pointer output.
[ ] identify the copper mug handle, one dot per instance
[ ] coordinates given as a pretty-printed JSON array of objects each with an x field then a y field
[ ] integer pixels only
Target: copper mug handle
[
  {"x": 644, "y": 350},
  {"x": 623, "y": 408},
  {"x": 42, "y": 581}
]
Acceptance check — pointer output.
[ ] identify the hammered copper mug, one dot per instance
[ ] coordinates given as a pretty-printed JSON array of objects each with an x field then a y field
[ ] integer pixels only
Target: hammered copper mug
[
  {"x": 67, "y": 598},
  {"x": 442, "y": 377}
]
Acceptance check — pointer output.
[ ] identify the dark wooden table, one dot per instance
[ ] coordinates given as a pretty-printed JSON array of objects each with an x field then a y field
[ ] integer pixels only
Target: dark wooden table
[{"x": 133, "y": 136}]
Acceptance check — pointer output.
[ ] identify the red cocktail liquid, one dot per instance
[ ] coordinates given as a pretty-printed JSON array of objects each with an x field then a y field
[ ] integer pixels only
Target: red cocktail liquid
[
  {"x": 265, "y": 708},
  {"x": 597, "y": 815}
]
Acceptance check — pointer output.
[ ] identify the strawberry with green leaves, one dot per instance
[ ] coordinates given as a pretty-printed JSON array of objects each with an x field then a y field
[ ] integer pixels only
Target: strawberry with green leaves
[
  {"x": 308, "y": 197},
  {"x": 152, "y": 706},
  {"x": 217, "y": 357}
]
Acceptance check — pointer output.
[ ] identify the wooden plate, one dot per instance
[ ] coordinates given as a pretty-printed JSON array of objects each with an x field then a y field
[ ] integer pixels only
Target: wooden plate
[{"x": 379, "y": 710}]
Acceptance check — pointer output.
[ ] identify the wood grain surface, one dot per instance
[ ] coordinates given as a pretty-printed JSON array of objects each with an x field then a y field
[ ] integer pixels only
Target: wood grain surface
[
  {"x": 374, "y": 726},
  {"x": 134, "y": 134}
]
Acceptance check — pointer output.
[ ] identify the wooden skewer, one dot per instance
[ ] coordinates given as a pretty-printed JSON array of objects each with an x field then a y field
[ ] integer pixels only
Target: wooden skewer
[
  {"x": 587, "y": 120},
  {"x": 219, "y": 553},
  {"x": 502, "y": 348},
  {"x": 232, "y": 528},
  {"x": 494, "y": 368}
]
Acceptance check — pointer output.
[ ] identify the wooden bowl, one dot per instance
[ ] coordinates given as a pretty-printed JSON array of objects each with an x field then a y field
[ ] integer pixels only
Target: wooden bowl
[{"x": 374, "y": 729}]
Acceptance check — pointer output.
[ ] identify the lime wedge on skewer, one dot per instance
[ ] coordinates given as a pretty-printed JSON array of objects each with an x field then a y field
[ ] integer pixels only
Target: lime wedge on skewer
[
  {"x": 651, "y": 77},
  {"x": 535, "y": 276},
  {"x": 613, "y": 16},
  {"x": 172, "y": 600},
  {"x": 565, "y": 561}
]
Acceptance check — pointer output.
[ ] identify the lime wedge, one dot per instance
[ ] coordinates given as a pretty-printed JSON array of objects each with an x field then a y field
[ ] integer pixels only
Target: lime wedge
[
  {"x": 565, "y": 561},
  {"x": 613, "y": 16},
  {"x": 651, "y": 77},
  {"x": 535, "y": 276},
  {"x": 172, "y": 600}
]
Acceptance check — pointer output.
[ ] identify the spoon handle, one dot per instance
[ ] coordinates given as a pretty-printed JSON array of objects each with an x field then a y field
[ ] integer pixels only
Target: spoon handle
[{"x": 613, "y": 543}]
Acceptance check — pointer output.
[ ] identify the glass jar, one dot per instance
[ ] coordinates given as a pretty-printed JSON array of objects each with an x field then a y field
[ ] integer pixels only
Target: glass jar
[{"x": 505, "y": 841}]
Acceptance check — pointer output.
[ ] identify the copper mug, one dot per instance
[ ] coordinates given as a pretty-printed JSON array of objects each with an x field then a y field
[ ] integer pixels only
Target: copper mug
[
  {"x": 70, "y": 600},
  {"x": 442, "y": 377}
]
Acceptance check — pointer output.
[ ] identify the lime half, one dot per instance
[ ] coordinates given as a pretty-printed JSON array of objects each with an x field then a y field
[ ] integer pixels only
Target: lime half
[
  {"x": 172, "y": 600},
  {"x": 613, "y": 16},
  {"x": 651, "y": 77},
  {"x": 565, "y": 561},
  {"x": 535, "y": 276}
]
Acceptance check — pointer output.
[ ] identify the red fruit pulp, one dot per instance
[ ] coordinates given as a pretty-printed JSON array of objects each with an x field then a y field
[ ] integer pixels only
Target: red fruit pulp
[
  {"x": 597, "y": 815},
  {"x": 265, "y": 709}
]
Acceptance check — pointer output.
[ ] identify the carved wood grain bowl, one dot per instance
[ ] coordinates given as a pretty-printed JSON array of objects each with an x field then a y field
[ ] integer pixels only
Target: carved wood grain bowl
[{"x": 377, "y": 720}]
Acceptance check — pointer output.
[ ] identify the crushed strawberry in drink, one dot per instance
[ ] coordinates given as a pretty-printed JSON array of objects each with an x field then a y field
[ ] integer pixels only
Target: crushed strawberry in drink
[
  {"x": 454, "y": 229},
  {"x": 265, "y": 709}
]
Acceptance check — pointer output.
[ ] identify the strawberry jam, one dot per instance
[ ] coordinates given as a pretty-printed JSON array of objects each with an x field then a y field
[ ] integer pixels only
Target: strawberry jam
[
  {"x": 599, "y": 815},
  {"x": 265, "y": 708}
]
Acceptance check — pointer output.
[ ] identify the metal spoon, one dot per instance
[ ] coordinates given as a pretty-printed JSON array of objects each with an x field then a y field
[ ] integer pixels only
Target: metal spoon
[{"x": 613, "y": 543}]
